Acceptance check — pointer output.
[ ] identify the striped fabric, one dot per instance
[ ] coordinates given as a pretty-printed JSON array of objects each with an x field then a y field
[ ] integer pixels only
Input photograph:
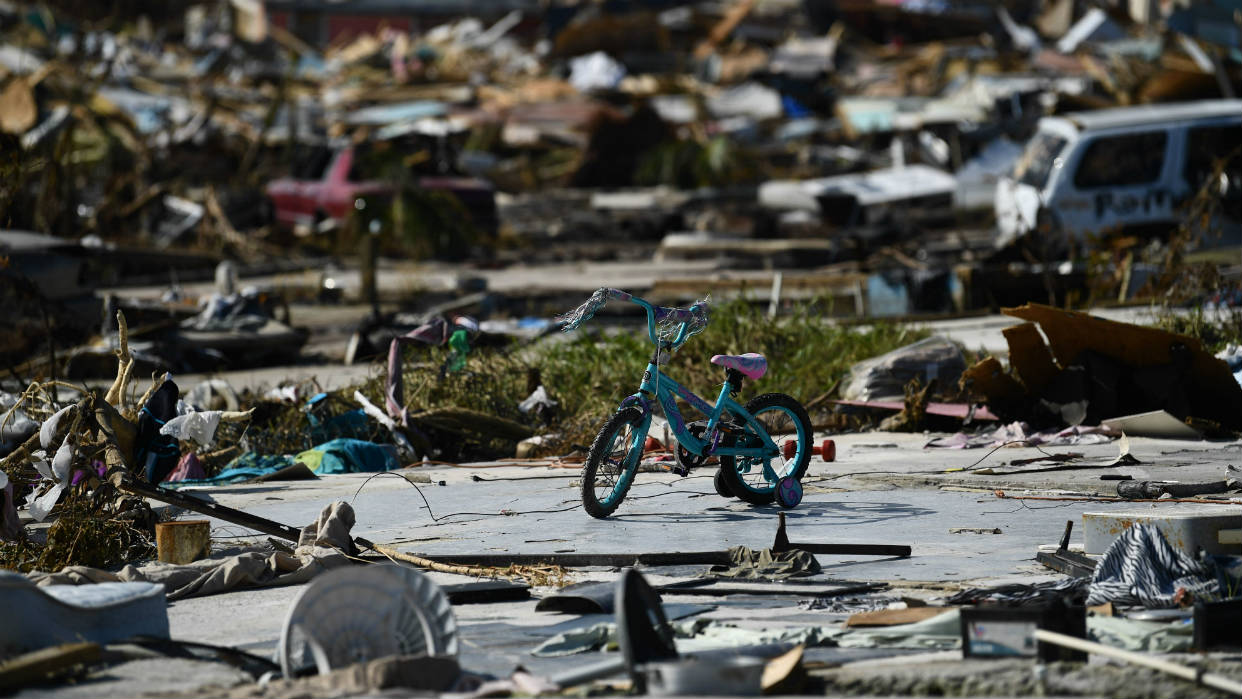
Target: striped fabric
[{"x": 1141, "y": 568}]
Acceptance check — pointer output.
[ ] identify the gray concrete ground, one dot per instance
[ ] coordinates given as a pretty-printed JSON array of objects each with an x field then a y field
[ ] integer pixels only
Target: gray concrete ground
[{"x": 884, "y": 488}]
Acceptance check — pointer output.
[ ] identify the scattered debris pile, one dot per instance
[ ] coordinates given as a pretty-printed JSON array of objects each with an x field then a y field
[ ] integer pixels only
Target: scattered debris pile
[{"x": 1089, "y": 370}]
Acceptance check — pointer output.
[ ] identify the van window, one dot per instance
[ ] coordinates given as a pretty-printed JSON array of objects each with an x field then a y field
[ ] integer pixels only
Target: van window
[
  {"x": 1037, "y": 160},
  {"x": 1207, "y": 145},
  {"x": 1116, "y": 161}
]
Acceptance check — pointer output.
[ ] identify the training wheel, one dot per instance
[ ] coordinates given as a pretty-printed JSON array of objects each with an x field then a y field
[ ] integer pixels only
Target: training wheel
[
  {"x": 788, "y": 492},
  {"x": 722, "y": 486}
]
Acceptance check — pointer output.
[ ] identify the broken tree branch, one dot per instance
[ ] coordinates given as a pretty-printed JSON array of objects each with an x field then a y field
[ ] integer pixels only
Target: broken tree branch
[
  {"x": 125, "y": 363},
  {"x": 156, "y": 382},
  {"x": 534, "y": 575},
  {"x": 394, "y": 554}
]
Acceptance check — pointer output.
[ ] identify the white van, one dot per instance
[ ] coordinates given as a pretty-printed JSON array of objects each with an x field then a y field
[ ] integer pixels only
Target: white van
[{"x": 1128, "y": 170}]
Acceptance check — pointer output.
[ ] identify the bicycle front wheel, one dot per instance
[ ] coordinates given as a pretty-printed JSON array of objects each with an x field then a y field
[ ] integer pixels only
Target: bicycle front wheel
[
  {"x": 612, "y": 462},
  {"x": 753, "y": 479}
]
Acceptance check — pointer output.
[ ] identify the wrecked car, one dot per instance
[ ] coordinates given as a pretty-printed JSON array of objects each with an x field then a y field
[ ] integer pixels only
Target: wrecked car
[
  {"x": 1130, "y": 170},
  {"x": 327, "y": 185}
]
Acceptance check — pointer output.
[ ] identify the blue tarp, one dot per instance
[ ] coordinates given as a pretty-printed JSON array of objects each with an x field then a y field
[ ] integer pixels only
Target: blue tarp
[
  {"x": 350, "y": 456},
  {"x": 246, "y": 467}
]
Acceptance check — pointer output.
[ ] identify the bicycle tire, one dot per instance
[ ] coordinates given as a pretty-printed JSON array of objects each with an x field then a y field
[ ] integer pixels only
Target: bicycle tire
[
  {"x": 604, "y": 445},
  {"x": 722, "y": 488},
  {"x": 733, "y": 470}
]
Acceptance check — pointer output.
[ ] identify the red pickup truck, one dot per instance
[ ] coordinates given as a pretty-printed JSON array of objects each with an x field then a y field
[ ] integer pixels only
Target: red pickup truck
[{"x": 295, "y": 200}]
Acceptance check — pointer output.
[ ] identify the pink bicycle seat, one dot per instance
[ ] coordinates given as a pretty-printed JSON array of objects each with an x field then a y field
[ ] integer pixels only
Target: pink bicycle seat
[{"x": 751, "y": 364}]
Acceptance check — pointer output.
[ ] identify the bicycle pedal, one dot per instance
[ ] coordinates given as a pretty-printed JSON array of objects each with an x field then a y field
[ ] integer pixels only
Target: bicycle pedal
[{"x": 681, "y": 471}]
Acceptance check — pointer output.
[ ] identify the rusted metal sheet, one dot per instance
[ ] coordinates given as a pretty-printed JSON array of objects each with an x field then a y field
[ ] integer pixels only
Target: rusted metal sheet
[{"x": 1029, "y": 356}]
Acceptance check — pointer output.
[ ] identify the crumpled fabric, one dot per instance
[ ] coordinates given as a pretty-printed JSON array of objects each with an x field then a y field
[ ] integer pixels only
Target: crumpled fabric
[
  {"x": 156, "y": 454},
  {"x": 199, "y": 427},
  {"x": 1134, "y": 634},
  {"x": 1141, "y": 568},
  {"x": 330, "y": 530},
  {"x": 39, "y": 505},
  {"x": 250, "y": 466},
  {"x": 537, "y": 400},
  {"x": 1070, "y": 590},
  {"x": 320, "y": 547},
  {"x": 748, "y": 564},
  {"x": 941, "y": 632},
  {"x": 349, "y": 456},
  {"x": 699, "y": 635},
  {"x": 50, "y": 426},
  {"x": 434, "y": 332},
  {"x": 188, "y": 468},
  {"x": 847, "y": 605}
]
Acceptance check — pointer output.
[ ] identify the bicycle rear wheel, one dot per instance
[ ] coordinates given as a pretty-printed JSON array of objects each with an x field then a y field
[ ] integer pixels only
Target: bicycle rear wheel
[
  {"x": 612, "y": 462},
  {"x": 785, "y": 420}
]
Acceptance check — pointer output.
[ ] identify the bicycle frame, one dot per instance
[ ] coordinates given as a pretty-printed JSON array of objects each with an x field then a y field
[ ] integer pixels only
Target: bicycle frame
[
  {"x": 666, "y": 391},
  {"x": 745, "y": 446}
]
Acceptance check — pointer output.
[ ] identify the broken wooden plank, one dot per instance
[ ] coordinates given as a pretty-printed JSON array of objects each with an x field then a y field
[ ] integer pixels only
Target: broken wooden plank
[
  {"x": 38, "y": 665},
  {"x": 894, "y": 617}
]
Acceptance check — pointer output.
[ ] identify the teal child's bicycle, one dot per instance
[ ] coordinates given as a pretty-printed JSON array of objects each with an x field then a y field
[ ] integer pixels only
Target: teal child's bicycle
[{"x": 763, "y": 447}]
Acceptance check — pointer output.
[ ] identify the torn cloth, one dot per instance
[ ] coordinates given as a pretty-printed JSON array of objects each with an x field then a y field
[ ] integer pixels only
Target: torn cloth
[
  {"x": 189, "y": 468},
  {"x": 1140, "y": 567},
  {"x": 435, "y": 332},
  {"x": 1071, "y": 590},
  {"x": 199, "y": 427},
  {"x": 349, "y": 456},
  {"x": 246, "y": 467},
  {"x": 320, "y": 548},
  {"x": 156, "y": 454},
  {"x": 748, "y": 564}
]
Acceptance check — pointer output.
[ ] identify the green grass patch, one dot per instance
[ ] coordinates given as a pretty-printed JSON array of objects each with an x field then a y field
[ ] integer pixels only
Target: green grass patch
[
  {"x": 592, "y": 372},
  {"x": 1214, "y": 328}
]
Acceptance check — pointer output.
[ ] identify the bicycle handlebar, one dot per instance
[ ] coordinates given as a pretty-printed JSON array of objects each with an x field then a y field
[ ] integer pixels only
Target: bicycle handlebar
[{"x": 689, "y": 321}]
